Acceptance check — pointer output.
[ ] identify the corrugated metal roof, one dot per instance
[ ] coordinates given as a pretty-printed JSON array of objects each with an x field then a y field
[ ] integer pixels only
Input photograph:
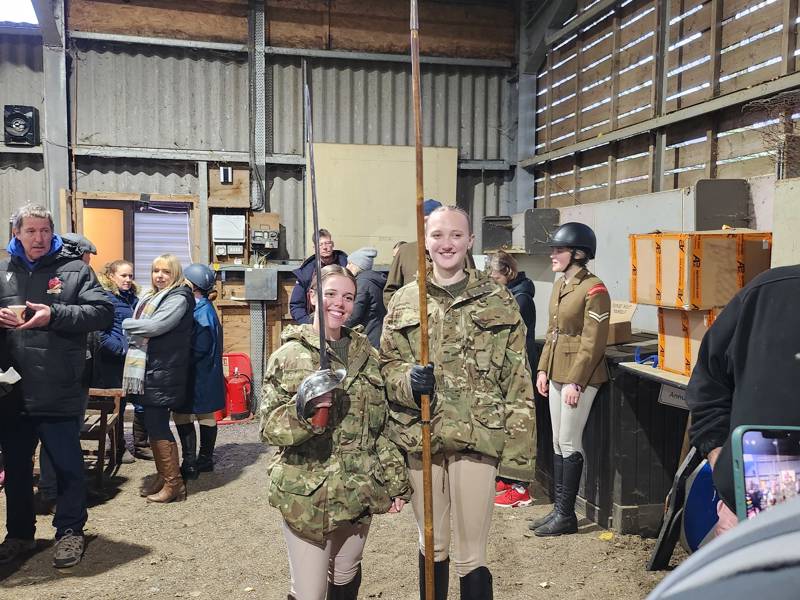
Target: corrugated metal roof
[
  {"x": 21, "y": 76},
  {"x": 160, "y": 97},
  {"x": 21, "y": 181}
]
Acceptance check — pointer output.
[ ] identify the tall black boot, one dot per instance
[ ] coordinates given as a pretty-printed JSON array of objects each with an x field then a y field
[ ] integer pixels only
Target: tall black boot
[
  {"x": 441, "y": 578},
  {"x": 141, "y": 445},
  {"x": 477, "y": 585},
  {"x": 348, "y": 591},
  {"x": 188, "y": 438},
  {"x": 566, "y": 521},
  {"x": 558, "y": 480},
  {"x": 208, "y": 439}
]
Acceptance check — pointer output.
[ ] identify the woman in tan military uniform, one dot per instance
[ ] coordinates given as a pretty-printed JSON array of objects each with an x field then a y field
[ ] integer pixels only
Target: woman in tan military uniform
[
  {"x": 328, "y": 481},
  {"x": 482, "y": 400},
  {"x": 571, "y": 367}
]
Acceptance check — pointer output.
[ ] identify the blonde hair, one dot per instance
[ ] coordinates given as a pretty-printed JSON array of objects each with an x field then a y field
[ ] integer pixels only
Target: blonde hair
[
  {"x": 330, "y": 271},
  {"x": 446, "y": 208},
  {"x": 104, "y": 276},
  {"x": 175, "y": 269},
  {"x": 505, "y": 264}
]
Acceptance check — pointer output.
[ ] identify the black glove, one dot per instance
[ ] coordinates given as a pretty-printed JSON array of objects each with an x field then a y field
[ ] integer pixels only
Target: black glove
[{"x": 422, "y": 382}]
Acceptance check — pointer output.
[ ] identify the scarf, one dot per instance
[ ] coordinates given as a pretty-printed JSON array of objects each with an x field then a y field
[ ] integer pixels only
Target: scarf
[{"x": 136, "y": 359}]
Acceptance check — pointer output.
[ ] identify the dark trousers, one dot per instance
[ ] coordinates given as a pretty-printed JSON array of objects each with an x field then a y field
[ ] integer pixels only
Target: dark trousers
[
  {"x": 156, "y": 420},
  {"x": 60, "y": 439}
]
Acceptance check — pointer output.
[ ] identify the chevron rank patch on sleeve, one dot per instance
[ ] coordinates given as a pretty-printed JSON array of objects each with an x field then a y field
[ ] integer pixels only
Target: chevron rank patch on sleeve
[{"x": 599, "y": 317}]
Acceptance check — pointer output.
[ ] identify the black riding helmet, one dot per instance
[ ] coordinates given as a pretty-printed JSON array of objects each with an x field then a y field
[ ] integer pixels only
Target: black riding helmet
[{"x": 575, "y": 235}]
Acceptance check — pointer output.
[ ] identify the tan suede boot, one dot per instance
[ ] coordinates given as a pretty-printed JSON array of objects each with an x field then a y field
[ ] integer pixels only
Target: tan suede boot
[
  {"x": 154, "y": 485},
  {"x": 166, "y": 456}
]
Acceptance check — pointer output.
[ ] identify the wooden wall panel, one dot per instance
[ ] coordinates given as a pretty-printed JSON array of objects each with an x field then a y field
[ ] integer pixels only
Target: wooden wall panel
[
  {"x": 747, "y": 168},
  {"x": 467, "y": 30},
  {"x": 212, "y": 20}
]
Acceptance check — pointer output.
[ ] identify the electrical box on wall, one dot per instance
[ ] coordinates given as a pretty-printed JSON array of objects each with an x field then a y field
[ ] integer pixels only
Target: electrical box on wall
[
  {"x": 229, "y": 236},
  {"x": 264, "y": 232}
]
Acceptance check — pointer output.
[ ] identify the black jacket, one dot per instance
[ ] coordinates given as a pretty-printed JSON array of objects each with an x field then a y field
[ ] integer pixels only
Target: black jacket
[
  {"x": 748, "y": 369},
  {"x": 369, "y": 309},
  {"x": 168, "y": 356},
  {"x": 298, "y": 303},
  {"x": 524, "y": 291},
  {"x": 51, "y": 359}
]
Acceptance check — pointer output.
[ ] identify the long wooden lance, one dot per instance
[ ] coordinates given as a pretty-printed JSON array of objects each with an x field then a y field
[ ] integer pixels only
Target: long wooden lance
[{"x": 425, "y": 406}]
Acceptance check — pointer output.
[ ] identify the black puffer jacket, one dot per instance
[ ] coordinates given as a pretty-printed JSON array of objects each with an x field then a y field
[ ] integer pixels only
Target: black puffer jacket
[
  {"x": 51, "y": 359},
  {"x": 168, "y": 356}
]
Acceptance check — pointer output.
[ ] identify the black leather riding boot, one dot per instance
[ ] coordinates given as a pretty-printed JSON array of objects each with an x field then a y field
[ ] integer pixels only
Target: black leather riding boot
[
  {"x": 565, "y": 520},
  {"x": 477, "y": 585}
]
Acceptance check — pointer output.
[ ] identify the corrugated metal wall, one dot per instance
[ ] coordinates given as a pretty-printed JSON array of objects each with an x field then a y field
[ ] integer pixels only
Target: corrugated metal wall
[
  {"x": 21, "y": 78},
  {"x": 21, "y": 181},
  {"x": 286, "y": 193},
  {"x": 364, "y": 102},
  {"x": 160, "y": 97},
  {"x": 174, "y": 98},
  {"x": 482, "y": 194},
  {"x": 136, "y": 176}
]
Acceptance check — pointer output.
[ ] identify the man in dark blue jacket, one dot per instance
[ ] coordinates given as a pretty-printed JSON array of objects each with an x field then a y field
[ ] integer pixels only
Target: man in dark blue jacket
[
  {"x": 298, "y": 304},
  {"x": 46, "y": 345}
]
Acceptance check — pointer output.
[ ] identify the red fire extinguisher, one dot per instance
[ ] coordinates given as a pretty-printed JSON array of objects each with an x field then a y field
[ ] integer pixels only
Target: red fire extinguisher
[{"x": 238, "y": 389}]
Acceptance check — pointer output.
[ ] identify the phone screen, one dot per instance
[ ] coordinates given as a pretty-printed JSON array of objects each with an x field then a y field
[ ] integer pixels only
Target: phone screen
[{"x": 771, "y": 468}]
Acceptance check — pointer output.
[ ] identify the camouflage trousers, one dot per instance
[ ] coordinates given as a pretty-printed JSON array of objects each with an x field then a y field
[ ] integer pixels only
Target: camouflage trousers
[
  {"x": 312, "y": 565},
  {"x": 463, "y": 491}
]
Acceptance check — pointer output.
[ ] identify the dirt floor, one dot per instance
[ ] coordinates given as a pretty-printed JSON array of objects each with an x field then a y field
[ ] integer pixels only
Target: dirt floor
[{"x": 224, "y": 542}]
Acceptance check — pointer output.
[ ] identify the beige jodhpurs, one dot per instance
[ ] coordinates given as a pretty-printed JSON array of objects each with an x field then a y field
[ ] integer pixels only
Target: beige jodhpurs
[
  {"x": 312, "y": 565},
  {"x": 569, "y": 421},
  {"x": 463, "y": 491}
]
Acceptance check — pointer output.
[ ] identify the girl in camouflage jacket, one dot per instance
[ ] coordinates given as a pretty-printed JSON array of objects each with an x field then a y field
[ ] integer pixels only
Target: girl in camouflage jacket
[
  {"x": 482, "y": 399},
  {"x": 328, "y": 481}
]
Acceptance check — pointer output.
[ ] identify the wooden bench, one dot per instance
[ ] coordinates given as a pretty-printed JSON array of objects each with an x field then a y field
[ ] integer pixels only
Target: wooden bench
[{"x": 100, "y": 424}]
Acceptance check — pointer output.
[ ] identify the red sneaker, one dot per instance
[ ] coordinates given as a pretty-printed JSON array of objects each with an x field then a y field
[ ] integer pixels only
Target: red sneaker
[
  {"x": 501, "y": 487},
  {"x": 513, "y": 497}
]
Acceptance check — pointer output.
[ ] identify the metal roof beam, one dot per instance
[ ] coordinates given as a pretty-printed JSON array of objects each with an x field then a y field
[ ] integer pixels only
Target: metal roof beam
[
  {"x": 279, "y": 51},
  {"x": 50, "y": 18}
]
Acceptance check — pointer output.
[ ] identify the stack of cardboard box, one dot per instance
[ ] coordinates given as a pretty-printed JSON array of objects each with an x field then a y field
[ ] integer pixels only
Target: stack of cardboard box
[{"x": 691, "y": 276}]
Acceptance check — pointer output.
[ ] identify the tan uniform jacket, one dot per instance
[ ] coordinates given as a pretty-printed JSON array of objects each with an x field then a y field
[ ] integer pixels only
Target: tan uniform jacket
[
  {"x": 404, "y": 269},
  {"x": 577, "y": 331}
]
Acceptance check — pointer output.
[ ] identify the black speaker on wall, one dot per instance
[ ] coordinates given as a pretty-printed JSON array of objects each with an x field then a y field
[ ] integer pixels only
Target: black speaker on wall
[{"x": 20, "y": 125}]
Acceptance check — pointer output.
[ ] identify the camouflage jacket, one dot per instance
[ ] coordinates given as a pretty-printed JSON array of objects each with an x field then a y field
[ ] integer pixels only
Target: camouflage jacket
[
  {"x": 484, "y": 394},
  {"x": 321, "y": 480}
]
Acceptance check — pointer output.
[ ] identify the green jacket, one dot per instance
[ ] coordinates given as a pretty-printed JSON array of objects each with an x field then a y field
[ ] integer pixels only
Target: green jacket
[
  {"x": 484, "y": 394},
  {"x": 323, "y": 479}
]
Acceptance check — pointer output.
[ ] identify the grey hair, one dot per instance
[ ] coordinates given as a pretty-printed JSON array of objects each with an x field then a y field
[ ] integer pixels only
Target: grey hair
[
  {"x": 446, "y": 208},
  {"x": 33, "y": 211}
]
